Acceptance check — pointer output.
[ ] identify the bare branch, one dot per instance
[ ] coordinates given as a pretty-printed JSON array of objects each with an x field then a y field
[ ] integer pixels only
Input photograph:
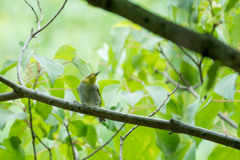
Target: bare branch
[
  {"x": 32, "y": 131},
  {"x": 228, "y": 120},
  {"x": 33, "y": 35},
  {"x": 169, "y": 125},
  {"x": 109, "y": 140},
  {"x": 49, "y": 149},
  {"x": 9, "y": 96},
  {"x": 51, "y": 20},
  {"x": 200, "y": 43},
  {"x": 35, "y": 13},
  {"x": 188, "y": 88},
  {"x": 70, "y": 140},
  {"x": 41, "y": 14},
  {"x": 122, "y": 138}
]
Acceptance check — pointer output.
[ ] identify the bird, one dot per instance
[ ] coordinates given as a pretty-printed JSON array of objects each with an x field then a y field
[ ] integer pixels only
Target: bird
[{"x": 89, "y": 93}]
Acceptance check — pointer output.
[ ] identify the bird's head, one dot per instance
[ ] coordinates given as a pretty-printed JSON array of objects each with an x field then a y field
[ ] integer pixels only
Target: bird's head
[{"x": 91, "y": 78}]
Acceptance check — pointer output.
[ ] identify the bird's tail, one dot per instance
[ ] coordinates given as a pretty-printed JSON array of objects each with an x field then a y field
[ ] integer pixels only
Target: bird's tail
[{"x": 100, "y": 119}]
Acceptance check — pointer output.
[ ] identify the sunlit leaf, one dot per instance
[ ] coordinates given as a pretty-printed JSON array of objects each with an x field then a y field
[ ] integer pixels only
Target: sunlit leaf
[
  {"x": 226, "y": 86},
  {"x": 158, "y": 94},
  {"x": 91, "y": 136},
  {"x": 65, "y": 52},
  {"x": 119, "y": 35},
  {"x": 78, "y": 128},
  {"x": 132, "y": 98},
  {"x": 53, "y": 68},
  {"x": 6, "y": 115},
  {"x": 82, "y": 66},
  {"x": 167, "y": 143},
  {"x": 9, "y": 64},
  {"x": 212, "y": 73}
]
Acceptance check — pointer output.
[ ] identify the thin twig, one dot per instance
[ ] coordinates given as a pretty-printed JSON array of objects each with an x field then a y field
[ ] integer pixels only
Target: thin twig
[
  {"x": 35, "y": 13},
  {"x": 183, "y": 79},
  {"x": 211, "y": 8},
  {"x": 49, "y": 149},
  {"x": 200, "y": 69},
  {"x": 31, "y": 127},
  {"x": 228, "y": 120},
  {"x": 188, "y": 88},
  {"x": 70, "y": 140},
  {"x": 31, "y": 124},
  {"x": 121, "y": 148},
  {"x": 51, "y": 20},
  {"x": 105, "y": 143},
  {"x": 198, "y": 64},
  {"x": 41, "y": 13},
  {"x": 223, "y": 100},
  {"x": 122, "y": 138},
  {"x": 33, "y": 35},
  {"x": 186, "y": 53}
]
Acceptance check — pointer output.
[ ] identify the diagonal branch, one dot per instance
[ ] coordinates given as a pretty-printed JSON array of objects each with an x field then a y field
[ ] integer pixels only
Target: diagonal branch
[
  {"x": 150, "y": 115},
  {"x": 34, "y": 35},
  {"x": 204, "y": 44},
  {"x": 90, "y": 155},
  {"x": 169, "y": 125}
]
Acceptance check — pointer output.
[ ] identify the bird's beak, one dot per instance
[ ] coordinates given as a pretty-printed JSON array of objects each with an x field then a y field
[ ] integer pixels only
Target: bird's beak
[{"x": 97, "y": 73}]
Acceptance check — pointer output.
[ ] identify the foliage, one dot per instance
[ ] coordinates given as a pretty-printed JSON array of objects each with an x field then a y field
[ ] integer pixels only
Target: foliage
[{"x": 132, "y": 80}]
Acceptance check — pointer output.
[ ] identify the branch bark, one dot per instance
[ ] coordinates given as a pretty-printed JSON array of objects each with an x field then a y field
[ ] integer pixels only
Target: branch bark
[
  {"x": 169, "y": 125},
  {"x": 202, "y": 43}
]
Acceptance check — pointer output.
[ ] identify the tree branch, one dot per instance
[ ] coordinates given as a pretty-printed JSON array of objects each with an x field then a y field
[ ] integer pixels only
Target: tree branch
[
  {"x": 34, "y": 35},
  {"x": 70, "y": 140},
  {"x": 228, "y": 120},
  {"x": 109, "y": 140},
  {"x": 201, "y": 43},
  {"x": 169, "y": 125}
]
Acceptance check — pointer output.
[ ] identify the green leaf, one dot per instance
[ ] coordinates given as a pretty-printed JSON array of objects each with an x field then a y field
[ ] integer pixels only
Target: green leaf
[
  {"x": 105, "y": 82},
  {"x": 66, "y": 52},
  {"x": 26, "y": 55},
  {"x": 185, "y": 5},
  {"x": 6, "y": 115},
  {"x": 226, "y": 86},
  {"x": 53, "y": 129},
  {"x": 9, "y": 64},
  {"x": 212, "y": 74},
  {"x": 234, "y": 30},
  {"x": 78, "y": 128},
  {"x": 12, "y": 149},
  {"x": 110, "y": 94},
  {"x": 223, "y": 152},
  {"x": 91, "y": 136},
  {"x": 230, "y": 4},
  {"x": 144, "y": 139},
  {"x": 53, "y": 68},
  {"x": 119, "y": 35},
  {"x": 82, "y": 66},
  {"x": 132, "y": 98},
  {"x": 189, "y": 72},
  {"x": 72, "y": 81},
  {"x": 205, "y": 116},
  {"x": 43, "y": 110},
  {"x": 149, "y": 42},
  {"x": 3, "y": 87},
  {"x": 58, "y": 88},
  {"x": 192, "y": 110},
  {"x": 158, "y": 94},
  {"x": 17, "y": 127},
  {"x": 168, "y": 144}
]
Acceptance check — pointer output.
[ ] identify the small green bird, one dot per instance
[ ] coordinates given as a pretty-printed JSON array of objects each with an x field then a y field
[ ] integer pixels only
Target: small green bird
[{"x": 89, "y": 93}]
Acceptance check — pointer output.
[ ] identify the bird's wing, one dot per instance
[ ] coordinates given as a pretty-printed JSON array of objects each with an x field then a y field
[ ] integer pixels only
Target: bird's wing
[{"x": 100, "y": 98}]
